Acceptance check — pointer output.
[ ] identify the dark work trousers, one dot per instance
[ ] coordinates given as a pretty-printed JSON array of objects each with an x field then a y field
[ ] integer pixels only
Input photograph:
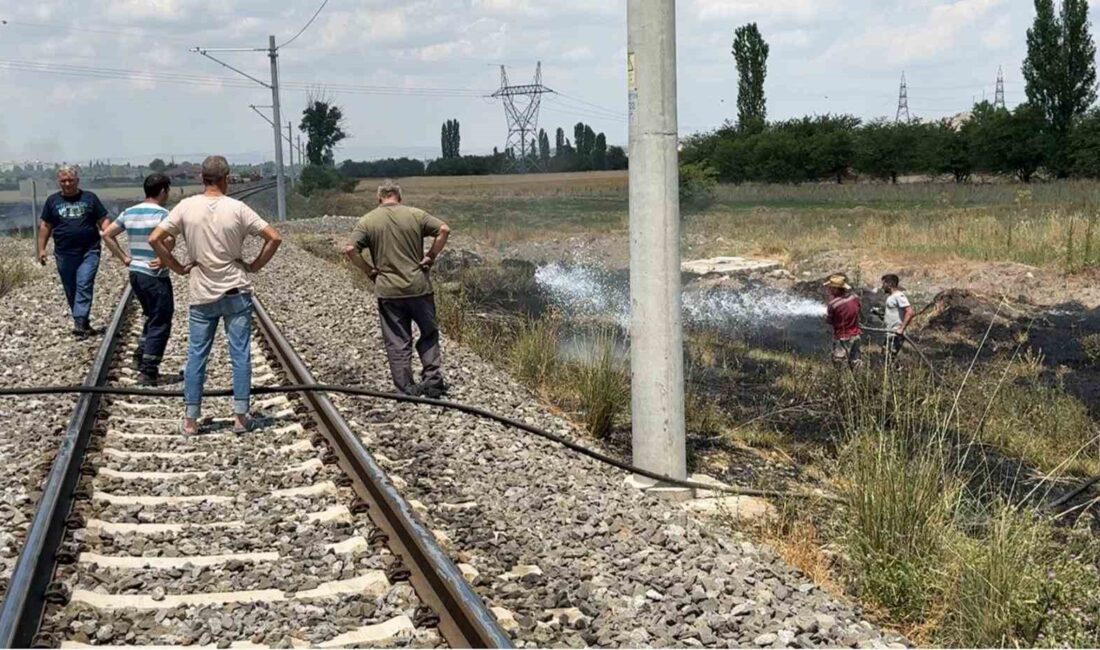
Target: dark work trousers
[
  {"x": 158, "y": 305},
  {"x": 398, "y": 315}
]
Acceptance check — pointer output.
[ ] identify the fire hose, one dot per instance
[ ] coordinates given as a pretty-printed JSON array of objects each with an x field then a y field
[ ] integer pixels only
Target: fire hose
[{"x": 661, "y": 479}]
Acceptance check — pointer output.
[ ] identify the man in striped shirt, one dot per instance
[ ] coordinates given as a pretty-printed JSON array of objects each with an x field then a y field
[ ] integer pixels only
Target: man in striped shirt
[{"x": 149, "y": 280}]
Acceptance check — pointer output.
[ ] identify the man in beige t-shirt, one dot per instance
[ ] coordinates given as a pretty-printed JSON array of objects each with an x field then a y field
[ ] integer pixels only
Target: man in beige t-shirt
[
  {"x": 394, "y": 234},
  {"x": 215, "y": 227}
]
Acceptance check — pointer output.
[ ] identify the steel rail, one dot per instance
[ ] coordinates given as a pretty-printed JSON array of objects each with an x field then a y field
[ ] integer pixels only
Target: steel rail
[
  {"x": 464, "y": 620},
  {"x": 25, "y": 599}
]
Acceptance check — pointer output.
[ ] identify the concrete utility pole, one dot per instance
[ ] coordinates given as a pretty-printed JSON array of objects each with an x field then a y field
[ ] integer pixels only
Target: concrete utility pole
[
  {"x": 290, "y": 148},
  {"x": 272, "y": 53},
  {"x": 280, "y": 181},
  {"x": 656, "y": 330}
]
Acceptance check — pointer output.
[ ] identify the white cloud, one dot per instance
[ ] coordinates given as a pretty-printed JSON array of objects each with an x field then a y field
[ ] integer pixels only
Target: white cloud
[
  {"x": 896, "y": 43},
  {"x": 802, "y": 10}
]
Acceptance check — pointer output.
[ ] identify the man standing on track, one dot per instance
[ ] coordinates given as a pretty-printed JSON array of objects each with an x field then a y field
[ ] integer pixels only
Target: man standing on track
[
  {"x": 74, "y": 218},
  {"x": 842, "y": 312},
  {"x": 215, "y": 227},
  {"x": 394, "y": 234},
  {"x": 148, "y": 277}
]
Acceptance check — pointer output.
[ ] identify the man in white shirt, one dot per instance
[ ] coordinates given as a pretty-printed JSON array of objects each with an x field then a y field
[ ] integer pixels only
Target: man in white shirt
[
  {"x": 216, "y": 227},
  {"x": 897, "y": 315}
]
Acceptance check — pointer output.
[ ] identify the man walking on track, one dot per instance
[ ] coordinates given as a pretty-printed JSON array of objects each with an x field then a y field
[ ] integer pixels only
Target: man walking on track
[
  {"x": 394, "y": 234},
  {"x": 148, "y": 277},
  {"x": 215, "y": 227},
  {"x": 842, "y": 312},
  {"x": 74, "y": 218}
]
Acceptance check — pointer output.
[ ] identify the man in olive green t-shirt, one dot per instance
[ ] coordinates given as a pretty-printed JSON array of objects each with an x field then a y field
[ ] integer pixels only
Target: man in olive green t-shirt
[{"x": 394, "y": 234}]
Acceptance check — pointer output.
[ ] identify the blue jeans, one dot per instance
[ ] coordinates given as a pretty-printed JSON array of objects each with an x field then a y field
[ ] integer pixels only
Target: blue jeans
[
  {"x": 77, "y": 271},
  {"x": 236, "y": 310}
]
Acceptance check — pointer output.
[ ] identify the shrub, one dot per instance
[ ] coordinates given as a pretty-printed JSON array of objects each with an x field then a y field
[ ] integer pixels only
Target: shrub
[
  {"x": 697, "y": 184},
  {"x": 1000, "y": 583},
  {"x": 901, "y": 506},
  {"x": 1091, "y": 346},
  {"x": 315, "y": 177},
  {"x": 535, "y": 353},
  {"x": 603, "y": 386},
  {"x": 13, "y": 272}
]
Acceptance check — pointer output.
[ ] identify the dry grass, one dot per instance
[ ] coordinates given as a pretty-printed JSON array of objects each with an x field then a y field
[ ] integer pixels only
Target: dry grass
[
  {"x": 511, "y": 185},
  {"x": 13, "y": 273}
]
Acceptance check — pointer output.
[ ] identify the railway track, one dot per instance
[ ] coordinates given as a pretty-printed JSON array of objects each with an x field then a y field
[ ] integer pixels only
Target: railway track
[{"x": 288, "y": 535}]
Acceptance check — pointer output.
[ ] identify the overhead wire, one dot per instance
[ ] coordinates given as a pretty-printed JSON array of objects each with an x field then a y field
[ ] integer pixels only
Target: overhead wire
[{"x": 303, "y": 29}]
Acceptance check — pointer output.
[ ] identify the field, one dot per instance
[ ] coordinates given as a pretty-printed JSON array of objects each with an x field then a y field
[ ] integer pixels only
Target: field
[
  {"x": 966, "y": 449},
  {"x": 108, "y": 193}
]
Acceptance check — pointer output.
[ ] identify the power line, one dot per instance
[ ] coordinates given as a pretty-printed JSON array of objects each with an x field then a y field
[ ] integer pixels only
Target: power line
[
  {"x": 183, "y": 78},
  {"x": 302, "y": 30},
  {"x": 91, "y": 30}
]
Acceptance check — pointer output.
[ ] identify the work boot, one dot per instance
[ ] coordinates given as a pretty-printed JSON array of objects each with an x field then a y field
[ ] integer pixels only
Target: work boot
[
  {"x": 433, "y": 390},
  {"x": 84, "y": 329},
  {"x": 148, "y": 378},
  {"x": 416, "y": 390}
]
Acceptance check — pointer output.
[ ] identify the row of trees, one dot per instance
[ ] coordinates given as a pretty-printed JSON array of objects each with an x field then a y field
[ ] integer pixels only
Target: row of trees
[
  {"x": 587, "y": 151},
  {"x": 1055, "y": 132},
  {"x": 836, "y": 147}
]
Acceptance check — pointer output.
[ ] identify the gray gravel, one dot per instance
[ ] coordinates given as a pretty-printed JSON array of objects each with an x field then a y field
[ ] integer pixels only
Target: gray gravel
[
  {"x": 615, "y": 568},
  {"x": 245, "y": 470},
  {"x": 36, "y": 348}
]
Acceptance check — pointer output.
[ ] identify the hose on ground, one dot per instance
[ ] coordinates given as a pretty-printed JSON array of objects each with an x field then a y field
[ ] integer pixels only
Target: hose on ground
[
  {"x": 456, "y": 406},
  {"x": 904, "y": 337}
]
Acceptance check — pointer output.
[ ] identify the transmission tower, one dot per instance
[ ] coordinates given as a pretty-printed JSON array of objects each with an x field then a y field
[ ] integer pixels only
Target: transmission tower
[
  {"x": 999, "y": 99},
  {"x": 903, "y": 101},
  {"x": 521, "y": 107}
]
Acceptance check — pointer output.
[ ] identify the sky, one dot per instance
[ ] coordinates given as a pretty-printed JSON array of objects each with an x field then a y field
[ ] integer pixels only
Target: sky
[{"x": 398, "y": 69}]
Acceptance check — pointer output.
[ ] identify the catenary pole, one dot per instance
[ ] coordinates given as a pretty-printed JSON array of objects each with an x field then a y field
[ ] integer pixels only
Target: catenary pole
[
  {"x": 290, "y": 149},
  {"x": 280, "y": 180},
  {"x": 656, "y": 330}
]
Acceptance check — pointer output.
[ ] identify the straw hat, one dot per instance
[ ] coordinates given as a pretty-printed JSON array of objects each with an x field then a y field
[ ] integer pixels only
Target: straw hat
[{"x": 838, "y": 281}]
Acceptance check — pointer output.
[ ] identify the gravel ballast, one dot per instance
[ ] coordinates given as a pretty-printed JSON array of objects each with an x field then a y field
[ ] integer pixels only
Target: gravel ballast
[
  {"x": 565, "y": 552},
  {"x": 38, "y": 348}
]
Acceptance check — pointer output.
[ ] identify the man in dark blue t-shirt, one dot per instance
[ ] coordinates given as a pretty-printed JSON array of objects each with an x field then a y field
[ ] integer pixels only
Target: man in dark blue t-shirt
[{"x": 74, "y": 217}]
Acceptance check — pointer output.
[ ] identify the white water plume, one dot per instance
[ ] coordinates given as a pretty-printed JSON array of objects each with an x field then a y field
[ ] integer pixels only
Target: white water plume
[{"x": 589, "y": 291}]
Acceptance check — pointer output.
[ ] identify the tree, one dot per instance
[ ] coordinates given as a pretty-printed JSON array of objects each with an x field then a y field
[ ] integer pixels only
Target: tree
[
  {"x": 1060, "y": 70},
  {"x": 544, "y": 147},
  {"x": 158, "y": 165},
  {"x": 323, "y": 124},
  {"x": 451, "y": 139},
  {"x": 599, "y": 152},
  {"x": 1084, "y": 150},
  {"x": 559, "y": 142},
  {"x": 578, "y": 139},
  {"x": 944, "y": 148},
  {"x": 1009, "y": 142},
  {"x": 616, "y": 158},
  {"x": 887, "y": 150},
  {"x": 750, "y": 53}
]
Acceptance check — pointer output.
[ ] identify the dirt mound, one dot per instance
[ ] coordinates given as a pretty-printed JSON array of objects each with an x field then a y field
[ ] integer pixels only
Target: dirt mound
[{"x": 969, "y": 315}]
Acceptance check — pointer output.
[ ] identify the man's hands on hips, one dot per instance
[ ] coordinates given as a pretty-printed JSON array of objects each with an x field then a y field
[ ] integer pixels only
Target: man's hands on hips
[{"x": 427, "y": 262}]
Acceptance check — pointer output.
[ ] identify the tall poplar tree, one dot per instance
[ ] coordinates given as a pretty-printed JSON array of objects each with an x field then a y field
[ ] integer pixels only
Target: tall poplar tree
[
  {"x": 750, "y": 54},
  {"x": 1060, "y": 70}
]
